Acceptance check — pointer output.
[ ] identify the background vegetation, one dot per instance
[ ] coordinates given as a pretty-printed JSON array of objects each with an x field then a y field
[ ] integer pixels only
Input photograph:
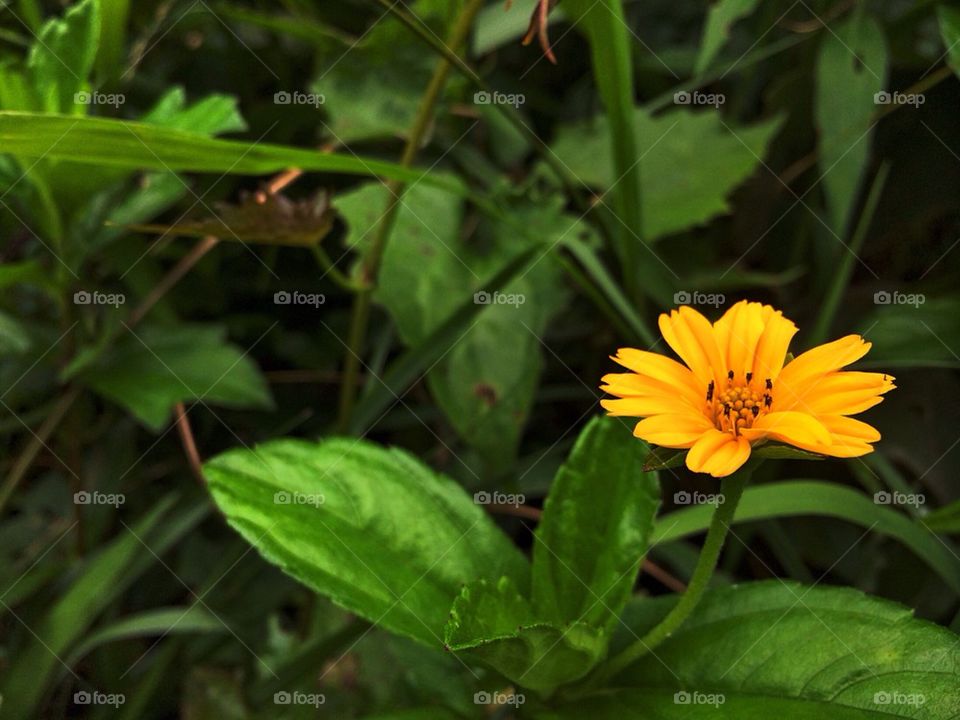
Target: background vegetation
[{"x": 224, "y": 223}]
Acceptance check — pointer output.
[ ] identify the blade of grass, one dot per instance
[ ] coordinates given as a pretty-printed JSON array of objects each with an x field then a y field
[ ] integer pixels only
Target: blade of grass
[{"x": 808, "y": 497}]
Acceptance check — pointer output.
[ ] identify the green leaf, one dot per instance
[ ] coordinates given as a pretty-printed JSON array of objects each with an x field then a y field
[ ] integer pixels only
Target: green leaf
[
  {"x": 160, "y": 621},
  {"x": 851, "y": 69},
  {"x": 378, "y": 532},
  {"x": 944, "y": 520},
  {"x": 780, "y": 649},
  {"x": 921, "y": 333},
  {"x": 595, "y": 528},
  {"x": 150, "y": 369},
  {"x": 14, "y": 338},
  {"x": 804, "y": 497},
  {"x": 212, "y": 115},
  {"x": 61, "y": 59},
  {"x": 950, "y": 30},
  {"x": 498, "y": 626},
  {"x": 693, "y": 160},
  {"x": 97, "y": 585},
  {"x": 485, "y": 382},
  {"x": 720, "y": 18},
  {"x": 661, "y": 458},
  {"x": 776, "y": 451},
  {"x": 141, "y": 146}
]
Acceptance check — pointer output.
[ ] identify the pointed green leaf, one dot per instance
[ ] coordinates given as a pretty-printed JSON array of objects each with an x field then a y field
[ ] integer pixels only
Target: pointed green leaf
[
  {"x": 595, "y": 527},
  {"x": 374, "y": 529}
]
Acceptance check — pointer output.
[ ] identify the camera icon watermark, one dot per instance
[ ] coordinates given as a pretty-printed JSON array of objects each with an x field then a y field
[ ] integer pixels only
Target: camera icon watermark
[
  {"x": 684, "y": 697},
  {"x": 285, "y": 97},
  {"x": 84, "y": 497},
  {"x": 284, "y": 297},
  {"x": 894, "y": 697},
  {"x": 898, "y": 498},
  {"x": 98, "y": 98},
  {"x": 698, "y": 498},
  {"x": 283, "y": 697},
  {"x": 686, "y": 97},
  {"x": 499, "y": 698},
  {"x": 886, "y": 297},
  {"x": 114, "y": 700},
  {"x": 885, "y": 97},
  {"x": 283, "y": 497},
  {"x": 482, "y": 97},
  {"x": 695, "y": 297},
  {"x": 499, "y": 498},
  {"x": 482, "y": 297},
  {"x": 85, "y": 297}
]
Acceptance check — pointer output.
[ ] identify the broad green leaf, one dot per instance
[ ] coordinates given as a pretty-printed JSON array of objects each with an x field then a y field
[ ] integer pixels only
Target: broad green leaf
[
  {"x": 720, "y": 18},
  {"x": 61, "y": 59},
  {"x": 912, "y": 330},
  {"x": 950, "y": 30},
  {"x": 486, "y": 380},
  {"x": 159, "y": 622},
  {"x": 140, "y": 146},
  {"x": 96, "y": 586},
  {"x": 497, "y": 25},
  {"x": 500, "y": 627},
  {"x": 851, "y": 69},
  {"x": 374, "y": 529},
  {"x": 693, "y": 162},
  {"x": 781, "y": 649},
  {"x": 595, "y": 528},
  {"x": 212, "y": 115},
  {"x": 804, "y": 497},
  {"x": 148, "y": 370}
]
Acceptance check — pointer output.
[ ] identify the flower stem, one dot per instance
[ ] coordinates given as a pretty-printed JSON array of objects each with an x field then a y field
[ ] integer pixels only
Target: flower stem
[
  {"x": 732, "y": 490},
  {"x": 370, "y": 263}
]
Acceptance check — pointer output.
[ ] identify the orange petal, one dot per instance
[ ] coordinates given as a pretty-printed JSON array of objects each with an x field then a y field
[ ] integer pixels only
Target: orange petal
[
  {"x": 660, "y": 368},
  {"x": 718, "y": 453},
  {"x": 843, "y": 393},
  {"x": 691, "y": 336},
  {"x": 676, "y": 431},
  {"x": 772, "y": 347},
  {"x": 822, "y": 359},
  {"x": 738, "y": 333},
  {"x": 789, "y": 427},
  {"x": 639, "y": 406}
]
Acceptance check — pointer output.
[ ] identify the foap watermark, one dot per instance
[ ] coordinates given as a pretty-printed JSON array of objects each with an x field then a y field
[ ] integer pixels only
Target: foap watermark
[
  {"x": 698, "y": 498},
  {"x": 85, "y": 297},
  {"x": 283, "y": 297},
  {"x": 498, "y": 498},
  {"x": 895, "y": 697},
  {"x": 499, "y": 698},
  {"x": 683, "y": 697},
  {"x": 895, "y": 297},
  {"x": 482, "y": 297},
  {"x": 114, "y": 700},
  {"x": 99, "y": 98},
  {"x": 284, "y": 97},
  {"x": 685, "y": 97},
  {"x": 296, "y": 697},
  {"x": 898, "y": 498},
  {"x": 282, "y": 497},
  {"x": 482, "y": 97},
  {"x": 884, "y": 97},
  {"x": 686, "y": 297},
  {"x": 98, "y": 498}
]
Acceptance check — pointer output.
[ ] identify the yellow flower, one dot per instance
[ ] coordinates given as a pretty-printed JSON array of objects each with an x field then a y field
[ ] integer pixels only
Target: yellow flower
[{"x": 736, "y": 389}]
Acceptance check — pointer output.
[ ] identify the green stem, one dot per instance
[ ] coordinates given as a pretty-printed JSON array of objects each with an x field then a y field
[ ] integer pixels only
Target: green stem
[
  {"x": 842, "y": 276},
  {"x": 326, "y": 264},
  {"x": 731, "y": 489},
  {"x": 370, "y": 264}
]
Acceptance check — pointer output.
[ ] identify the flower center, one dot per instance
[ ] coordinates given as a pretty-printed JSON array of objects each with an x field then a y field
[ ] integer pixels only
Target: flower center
[{"x": 738, "y": 402}]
